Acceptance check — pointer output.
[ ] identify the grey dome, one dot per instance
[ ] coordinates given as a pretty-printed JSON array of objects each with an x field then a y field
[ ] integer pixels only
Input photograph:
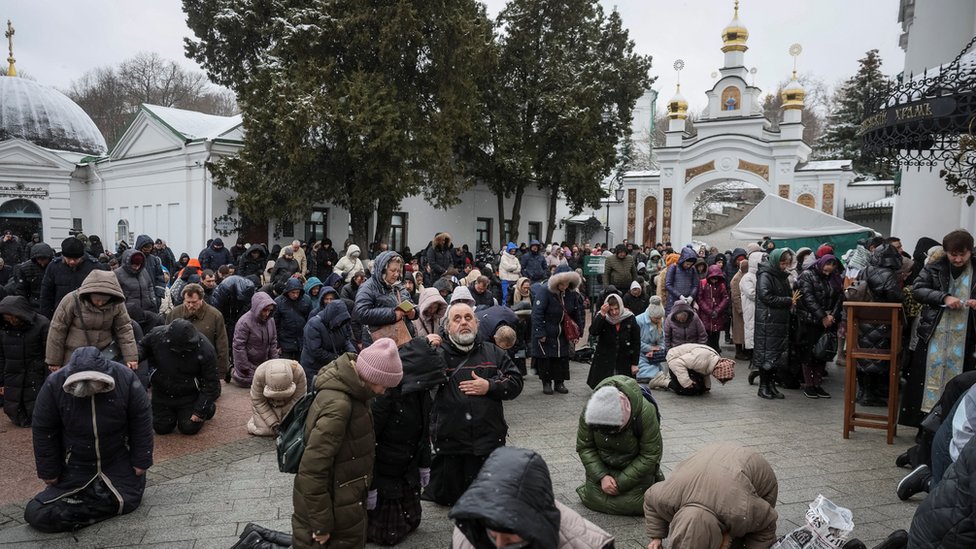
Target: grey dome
[{"x": 46, "y": 117}]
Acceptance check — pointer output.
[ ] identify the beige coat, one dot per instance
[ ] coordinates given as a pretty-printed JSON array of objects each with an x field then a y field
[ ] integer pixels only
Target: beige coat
[
  {"x": 575, "y": 532},
  {"x": 721, "y": 489},
  {"x": 509, "y": 267},
  {"x": 77, "y": 323},
  {"x": 277, "y": 386},
  {"x": 695, "y": 357}
]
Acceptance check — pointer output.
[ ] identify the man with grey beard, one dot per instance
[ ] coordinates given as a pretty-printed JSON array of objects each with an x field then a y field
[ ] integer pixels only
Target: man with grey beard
[{"x": 467, "y": 420}]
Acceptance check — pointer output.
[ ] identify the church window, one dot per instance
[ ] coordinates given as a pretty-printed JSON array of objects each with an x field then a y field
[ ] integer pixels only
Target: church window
[
  {"x": 122, "y": 231},
  {"x": 731, "y": 99}
]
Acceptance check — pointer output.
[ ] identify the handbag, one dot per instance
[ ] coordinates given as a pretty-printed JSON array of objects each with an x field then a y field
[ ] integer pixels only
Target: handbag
[
  {"x": 826, "y": 347},
  {"x": 570, "y": 329},
  {"x": 397, "y": 331}
]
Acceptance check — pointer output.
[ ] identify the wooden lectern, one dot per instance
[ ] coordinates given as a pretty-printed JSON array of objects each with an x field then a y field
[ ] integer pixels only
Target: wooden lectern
[{"x": 874, "y": 313}]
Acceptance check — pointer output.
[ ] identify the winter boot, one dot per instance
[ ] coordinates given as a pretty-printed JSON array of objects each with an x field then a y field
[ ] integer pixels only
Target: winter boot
[
  {"x": 917, "y": 481},
  {"x": 904, "y": 460},
  {"x": 765, "y": 385},
  {"x": 740, "y": 353},
  {"x": 771, "y": 376},
  {"x": 753, "y": 375},
  {"x": 896, "y": 540},
  {"x": 547, "y": 387},
  {"x": 561, "y": 388}
]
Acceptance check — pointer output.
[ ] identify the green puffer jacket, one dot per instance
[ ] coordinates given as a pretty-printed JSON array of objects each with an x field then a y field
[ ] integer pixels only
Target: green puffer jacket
[
  {"x": 330, "y": 487},
  {"x": 633, "y": 461}
]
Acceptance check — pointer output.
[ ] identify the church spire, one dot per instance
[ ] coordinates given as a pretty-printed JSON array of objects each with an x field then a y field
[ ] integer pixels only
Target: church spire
[{"x": 11, "y": 69}]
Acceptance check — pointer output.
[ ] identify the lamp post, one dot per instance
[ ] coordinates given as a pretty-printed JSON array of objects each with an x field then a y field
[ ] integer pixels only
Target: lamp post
[{"x": 619, "y": 196}]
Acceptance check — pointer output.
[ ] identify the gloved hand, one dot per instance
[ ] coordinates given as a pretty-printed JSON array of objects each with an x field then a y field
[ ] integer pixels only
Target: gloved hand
[
  {"x": 371, "y": 500},
  {"x": 424, "y": 476}
]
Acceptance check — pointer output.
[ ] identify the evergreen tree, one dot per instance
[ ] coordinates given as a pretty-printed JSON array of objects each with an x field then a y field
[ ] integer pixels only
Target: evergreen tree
[
  {"x": 358, "y": 102},
  {"x": 559, "y": 103},
  {"x": 840, "y": 139}
]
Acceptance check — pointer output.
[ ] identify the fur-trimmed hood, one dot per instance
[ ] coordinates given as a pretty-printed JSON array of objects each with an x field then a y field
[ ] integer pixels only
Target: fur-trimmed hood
[{"x": 558, "y": 278}]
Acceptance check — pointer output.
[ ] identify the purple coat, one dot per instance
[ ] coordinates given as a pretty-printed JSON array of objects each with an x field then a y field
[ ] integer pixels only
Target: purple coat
[
  {"x": 713, "y": 300},
  {"x": 255, "y": 341},
  {"x": 678, "y": 333}
]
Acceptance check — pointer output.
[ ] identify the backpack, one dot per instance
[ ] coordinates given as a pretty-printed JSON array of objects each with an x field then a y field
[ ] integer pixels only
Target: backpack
[
  {"x": 636, "y": 426},
  {"x": 291, "y": 435}
]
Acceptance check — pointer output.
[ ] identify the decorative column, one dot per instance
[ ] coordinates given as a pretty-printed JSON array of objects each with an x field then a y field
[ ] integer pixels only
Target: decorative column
[
  {"x": 666, "y": 218},
  {"x": 631, "y": 213}
]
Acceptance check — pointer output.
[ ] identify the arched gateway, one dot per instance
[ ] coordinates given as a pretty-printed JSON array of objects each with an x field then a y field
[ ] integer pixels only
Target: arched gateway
[{"x": 733, "y": 143}]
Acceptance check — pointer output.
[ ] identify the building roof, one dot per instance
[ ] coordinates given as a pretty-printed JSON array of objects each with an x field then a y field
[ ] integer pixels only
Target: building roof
[
  {"x": 872, "y": 183},
  {"x": 46, "y": 117},
  {"x": 192, "y": 125},
  {"x": 824, "y": 165}
]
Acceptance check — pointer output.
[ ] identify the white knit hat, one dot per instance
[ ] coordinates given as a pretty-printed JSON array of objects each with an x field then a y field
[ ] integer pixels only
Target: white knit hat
[
  {"x": 605, "y": 408},
  {"x": 462, "y": 294},
  {"x": 635, "y": 285}
]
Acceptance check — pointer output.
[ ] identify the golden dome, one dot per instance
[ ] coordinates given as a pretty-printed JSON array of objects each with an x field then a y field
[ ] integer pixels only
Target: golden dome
[
  {"x": 793, "y": 94},
  {"x": 734, "y": 35},
  {"x": 678, "y": 106}
]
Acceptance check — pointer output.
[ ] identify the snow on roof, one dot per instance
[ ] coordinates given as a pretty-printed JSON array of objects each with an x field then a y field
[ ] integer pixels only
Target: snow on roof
[
  {"x": 46, "y": 117},
  {"x": 643, "y": 173},
  {"x": 872, "y": 183},
  {"x": 194, "y": 125},
  {"x": 886, "y": 202},
  {"x": 821, "y": 165}
]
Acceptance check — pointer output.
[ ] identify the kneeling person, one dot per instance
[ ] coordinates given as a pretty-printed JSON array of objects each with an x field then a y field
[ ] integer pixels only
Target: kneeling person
[
  {"x": 185, "y": 383},
  {"x": 619, "y": 443},
  {"x": 691, "y": 365}
]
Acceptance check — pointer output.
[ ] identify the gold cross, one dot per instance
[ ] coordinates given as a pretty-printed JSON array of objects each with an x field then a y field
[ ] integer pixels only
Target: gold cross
[{"x": 11, "y": 70}]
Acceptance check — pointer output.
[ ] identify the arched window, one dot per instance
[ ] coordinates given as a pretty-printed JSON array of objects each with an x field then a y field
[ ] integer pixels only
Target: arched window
[
  {"x": 731, "y": 99},
  {"x": 20, "y": 208},
  {"x": 122, "y": 232}
]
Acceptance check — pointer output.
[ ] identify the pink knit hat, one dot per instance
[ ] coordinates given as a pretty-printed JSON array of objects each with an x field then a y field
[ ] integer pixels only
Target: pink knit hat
[{"x": 380, "y": 363}]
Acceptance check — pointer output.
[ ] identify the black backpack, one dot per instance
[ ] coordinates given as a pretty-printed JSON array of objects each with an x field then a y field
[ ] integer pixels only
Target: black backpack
[{"x": 291, "y": 435}]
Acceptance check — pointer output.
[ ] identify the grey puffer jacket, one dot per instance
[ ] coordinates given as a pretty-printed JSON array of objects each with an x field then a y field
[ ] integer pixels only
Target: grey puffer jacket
[
  {"x": 376, "y": 300},
  {"x": 137, "y": 285}
]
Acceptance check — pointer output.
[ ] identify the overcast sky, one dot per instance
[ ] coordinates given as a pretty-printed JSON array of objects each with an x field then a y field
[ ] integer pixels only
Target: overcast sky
[{"x": 56, "y": 41}]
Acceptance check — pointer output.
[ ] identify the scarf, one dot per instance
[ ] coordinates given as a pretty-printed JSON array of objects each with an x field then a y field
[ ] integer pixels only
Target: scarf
[{"x": 622, "y": 315}]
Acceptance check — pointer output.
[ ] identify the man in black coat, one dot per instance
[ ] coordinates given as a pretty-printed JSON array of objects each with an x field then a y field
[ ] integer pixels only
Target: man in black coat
[
  {"x": 468, "y": 420},
  {"x": 291, "y": 314},
  {"x": 93, "y": 441},
  {"x": 23, "y": 334},
  {"x": 27, "y": 277},
  {"x": 153, "y": 265},
  {"x": 11, "y": 249},
  {"x": 65, "y": 274},
  {"x": 215, "y": 255},
  {"x": 185, "y": 383}
]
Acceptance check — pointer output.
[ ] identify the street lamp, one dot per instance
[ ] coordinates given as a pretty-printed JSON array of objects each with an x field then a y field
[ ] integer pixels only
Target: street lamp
[{"x": 619, "y": 195}]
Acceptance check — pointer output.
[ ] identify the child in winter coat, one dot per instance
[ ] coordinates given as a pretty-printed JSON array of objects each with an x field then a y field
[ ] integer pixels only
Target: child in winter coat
[
  {"x": 713, "y": 305},
  {"x": 277, "y": 386}
]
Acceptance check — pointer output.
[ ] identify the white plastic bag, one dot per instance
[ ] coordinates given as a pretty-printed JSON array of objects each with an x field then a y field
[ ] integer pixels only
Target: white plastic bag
[{"x": 827, "y": 527}]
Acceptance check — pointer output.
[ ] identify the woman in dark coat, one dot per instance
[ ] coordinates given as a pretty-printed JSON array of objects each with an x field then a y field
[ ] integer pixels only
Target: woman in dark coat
[
  {"x": 817, "y": 311},
  {"x": 378, "y": 298},
  {"x": 618, "y": 342},
  {"x": 550, "y": 348},
  {"x": 253, "y": 261},
  {"x": 946, "y": 289},
  {"x": 327, "y": 336},
  {"x": 774, "y": 299},
  {"x": 683, "y": 326},
  {"x": 324, "y": 258},
  {"x": 401, "y": 417},
  {"x": 885, "y": 281},
  {"x": 713, "y": 305},
  {"x": 22, "y": 365}
]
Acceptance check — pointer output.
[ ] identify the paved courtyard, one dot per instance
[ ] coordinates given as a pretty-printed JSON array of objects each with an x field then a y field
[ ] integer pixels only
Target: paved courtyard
[{"x": 204, "y": 498}]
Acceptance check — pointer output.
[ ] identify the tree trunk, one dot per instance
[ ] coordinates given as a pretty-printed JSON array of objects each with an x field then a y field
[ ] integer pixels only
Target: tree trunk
[
  {"x": 517, "y": 213},
  {"x": 551, "y": 218},
  {"x": 384, "y": 215},
  {"x": 501, "y": 221},
  {"x": 359, "y": 220}
]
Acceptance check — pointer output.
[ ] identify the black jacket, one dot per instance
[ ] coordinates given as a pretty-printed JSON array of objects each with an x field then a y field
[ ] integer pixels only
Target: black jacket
[
  {"x": 617, "y": 348},
  {"x": 290, "y": 316},
  {"x": 486, "y": 299},
  {"x": 64, "y": 429},
  {"x": 440, "y": 258},
  {"x": 137, "y": 285},
  {"x": 232, "y": 297},
  {"x": 401, "y": 419},
  {"x": 27, "y": 277},
  {"x": 60, "y": 280},
  {"x": 881, "y": 275},
  {"x": 11, "y": 251},
  {"x": 326, "y": 337},
  {"x": 249, "y": 265},
  {"x": 212, "y": 258},
  {"x": 473, "y": 425},
  {"x": 22, "y": 365},
  {"x": 376, "y": 300},
  {"x": 185, "y": 366},
  {"x": 323, "y": 262},
  {"x": 946, "y": 519},
  {"x": 773, "y": 303},
  {"x": 930, "y": 290},
  {"x": 817, "y": 298},
  {"x": 153, "y": 265}
]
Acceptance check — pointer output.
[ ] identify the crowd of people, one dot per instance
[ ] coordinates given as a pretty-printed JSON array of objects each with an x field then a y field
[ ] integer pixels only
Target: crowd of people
[{"x": 409, "y": 359}]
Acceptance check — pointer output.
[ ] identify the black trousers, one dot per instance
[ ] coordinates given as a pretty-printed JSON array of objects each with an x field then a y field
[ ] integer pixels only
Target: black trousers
[
  {"x": 552, "y": 369},
  {"x": 450, "y": 476},
  {"x": 168, "y": 416},
  {"x": 93, "y": 504},
  {"x": 695, "y": 390}
]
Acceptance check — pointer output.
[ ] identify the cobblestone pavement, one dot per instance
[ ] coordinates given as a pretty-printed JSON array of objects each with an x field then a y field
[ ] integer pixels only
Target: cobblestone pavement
[{"x": 204, "y": 499}]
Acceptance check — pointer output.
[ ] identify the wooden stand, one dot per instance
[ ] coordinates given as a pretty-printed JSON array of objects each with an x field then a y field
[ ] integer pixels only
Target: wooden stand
[{"x": 874, "y": 313}]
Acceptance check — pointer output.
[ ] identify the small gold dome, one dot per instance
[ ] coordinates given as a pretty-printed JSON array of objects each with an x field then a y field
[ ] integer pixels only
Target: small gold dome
[
  {"x": 793, "y": 94},
  {"x": 678, "y": 106},
  {"x": 735, "y": 35}
]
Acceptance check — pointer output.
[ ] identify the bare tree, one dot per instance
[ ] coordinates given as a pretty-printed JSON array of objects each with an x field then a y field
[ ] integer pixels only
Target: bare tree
[
  {"x": 112, "y": 95},
  {"x": 815, "y": 109}
]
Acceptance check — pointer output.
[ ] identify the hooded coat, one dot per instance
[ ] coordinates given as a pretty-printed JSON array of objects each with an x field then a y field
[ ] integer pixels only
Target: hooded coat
[
  {"x": 22, "y": 365},
  {"x": 692, "y": 330},
  {"x": 631, "y": 455},
  {"x": 60, "y": 280},
  {"x": 213, "y": 258},
  {"x": 681, "y": 281},
  {"x": 376, "y": 301},
  {"x": 153, "y": 265},
  {"x": 327, "y": 337},
  {"x": 440, "y": 256},
  {"x": 253, "y": 262},
  {"x": 427, "y": 322},
  {"x": 137, "y": 285},
  {"x": 323, "y": 260},
  {"x": 184, "y": 365},
  {"x": 211, "y": 325},
  {"x": 509, "y": 267},
  {"x": 79, "y": 323},
  {"x": 283, "y": 270},
  {"x": 337, "y": 466},
  {"x": 290, "y": 315},
  {"x": 774, "y": 299},
  {"x": 107, "y": 434},
  {"x": 548, "y": 308},
  {"x": 350, "y": 263},
  {"x": 747, "y": 291},
  {"x": 513, "y": 490},
  {"x": 722, "y": 488},
  {"x": 534, "y": 265},
  {"x": 881, "y": 275},
  {"x": 735, "y": 291},
  {"x": 27, "y": 277},
  {"x": 255, "y": 340},
  {"x": 713, "y": 300},
  {"x": 617, "y": 345},
  {"x": 278, "y": 384}
]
